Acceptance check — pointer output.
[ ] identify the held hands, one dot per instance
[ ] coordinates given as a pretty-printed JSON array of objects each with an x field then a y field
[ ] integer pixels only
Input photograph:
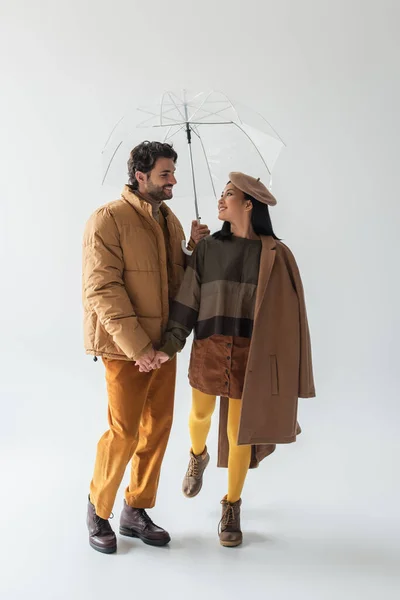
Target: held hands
[
  {"x": 198, "y": 231},
  {"x": 159, "y": 359},
  {"x": 154, "y": 359},
  {"x": 151, "y": 360}
]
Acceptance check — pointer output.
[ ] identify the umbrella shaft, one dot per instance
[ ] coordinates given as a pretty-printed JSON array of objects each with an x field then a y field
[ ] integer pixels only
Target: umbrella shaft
[
  {"x": 189, "y": 139},
  {"x": 188, "y": 133}
]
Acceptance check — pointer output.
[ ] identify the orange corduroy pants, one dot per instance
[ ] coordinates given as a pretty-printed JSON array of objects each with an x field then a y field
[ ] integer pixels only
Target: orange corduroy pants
[{"x": 140, "y": 412}]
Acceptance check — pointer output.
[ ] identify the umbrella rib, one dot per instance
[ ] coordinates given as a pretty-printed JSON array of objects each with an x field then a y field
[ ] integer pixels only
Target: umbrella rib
[
  {"x": 206, "y": 158},
  {"x": 169, "y": 110},
  {"x": 254, "y": 144},
  {"x": 226, "y": 101},
  {"x": 213, "y": 123},
  {"x": 145, "y": 123},
  {"x": 262, "y": 117},
  {"x": 201, "y": 105},
  {"x": 161, "y": 116},
  {"x": 175, "y": 104},
  {"x": 196, "y": 96},
  {"x": 111, "y": 159},
  {"x": 167, "y": 134},
  {"x": 174, "y": 121},
  {"x": 112, "y": 131},
  {"x": 198, "y": 123},
  {"x": 273, "y": 129},
  {"x": 208, "y": 111},
  {"x": 175, "y": 132},
  {"x": 147, "y": 112}
]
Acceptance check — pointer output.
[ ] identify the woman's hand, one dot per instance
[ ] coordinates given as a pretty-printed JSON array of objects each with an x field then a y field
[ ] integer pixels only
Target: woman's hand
[
  {"x": 159, "y": 359},
  {"x": 156, "y": 362}
]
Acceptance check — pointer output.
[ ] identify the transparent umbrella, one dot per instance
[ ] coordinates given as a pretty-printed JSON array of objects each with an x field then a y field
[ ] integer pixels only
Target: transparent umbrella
[{"x": 211, "y": 135}]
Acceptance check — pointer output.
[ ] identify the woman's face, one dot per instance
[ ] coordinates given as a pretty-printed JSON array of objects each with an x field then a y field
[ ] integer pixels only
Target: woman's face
[{"x": 232, "y": 206}]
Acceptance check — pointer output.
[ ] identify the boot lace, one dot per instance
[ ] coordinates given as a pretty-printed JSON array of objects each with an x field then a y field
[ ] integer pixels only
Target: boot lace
[
  {"x": 103, "y": 524},
  {"x": 228, "y": 517},
  {"x": 145, "y": 517},
  {"x": 193, "y": 470}
]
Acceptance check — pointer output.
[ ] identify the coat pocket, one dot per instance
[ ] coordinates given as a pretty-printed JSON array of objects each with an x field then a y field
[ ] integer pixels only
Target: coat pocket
[{"x": 274, "y": 375}]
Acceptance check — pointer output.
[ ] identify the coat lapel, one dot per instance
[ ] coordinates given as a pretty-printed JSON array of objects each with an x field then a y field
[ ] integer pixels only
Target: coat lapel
[{"x": 267, "y": 259}]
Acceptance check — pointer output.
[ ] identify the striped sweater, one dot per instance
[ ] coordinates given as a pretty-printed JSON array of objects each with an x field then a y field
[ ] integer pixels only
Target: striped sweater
[{"x": 217, "y": 294}]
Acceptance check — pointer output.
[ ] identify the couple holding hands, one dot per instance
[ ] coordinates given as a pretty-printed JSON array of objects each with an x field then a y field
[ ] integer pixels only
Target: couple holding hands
[{"x": 239, "y": 291}]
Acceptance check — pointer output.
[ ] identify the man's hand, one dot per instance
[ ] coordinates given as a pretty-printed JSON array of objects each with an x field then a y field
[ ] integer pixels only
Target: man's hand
[
  {"x": 145, "y": 361},
  {"x": 198, "y": 231}
]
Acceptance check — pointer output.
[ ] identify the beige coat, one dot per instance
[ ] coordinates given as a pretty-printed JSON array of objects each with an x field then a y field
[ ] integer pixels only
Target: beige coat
[
  {"x": 279, "y": 368},
  {"x": 125, "y": 278}
]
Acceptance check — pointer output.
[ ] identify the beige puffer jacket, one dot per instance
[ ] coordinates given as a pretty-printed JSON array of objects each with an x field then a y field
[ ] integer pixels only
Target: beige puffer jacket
[{"x": 125, "y": 277}]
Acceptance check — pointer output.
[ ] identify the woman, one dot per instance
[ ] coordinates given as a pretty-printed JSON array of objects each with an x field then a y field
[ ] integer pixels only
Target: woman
[{"x": 243, "y": 295}]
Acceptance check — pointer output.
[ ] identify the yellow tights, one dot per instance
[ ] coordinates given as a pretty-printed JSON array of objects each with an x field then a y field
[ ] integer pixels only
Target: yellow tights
[{"x": 203, "y": 407}]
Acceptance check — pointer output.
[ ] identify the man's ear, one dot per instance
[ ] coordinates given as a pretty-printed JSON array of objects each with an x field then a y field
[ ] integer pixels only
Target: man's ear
[{"x": 140, "y": 177}]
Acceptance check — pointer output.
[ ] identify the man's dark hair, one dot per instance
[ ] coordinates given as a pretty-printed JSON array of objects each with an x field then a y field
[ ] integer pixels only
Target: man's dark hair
[{"x": 144, "y": 156}]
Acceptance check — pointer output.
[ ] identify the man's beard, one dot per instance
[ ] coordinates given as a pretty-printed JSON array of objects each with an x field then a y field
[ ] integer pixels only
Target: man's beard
[{"x": 158, "y": 194}]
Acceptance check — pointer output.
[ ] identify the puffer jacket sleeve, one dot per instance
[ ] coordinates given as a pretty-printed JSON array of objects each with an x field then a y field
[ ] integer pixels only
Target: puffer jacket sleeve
[
  {"x": 306, "y": 376},
  {"x": 104, "y": 288},
  {"x": 186, "y": 305}
]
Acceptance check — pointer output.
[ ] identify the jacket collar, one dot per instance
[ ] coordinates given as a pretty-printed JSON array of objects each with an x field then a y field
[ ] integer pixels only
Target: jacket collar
[
  {"x": 268, "y": 242},
  {"x": 141, "y": 205}
]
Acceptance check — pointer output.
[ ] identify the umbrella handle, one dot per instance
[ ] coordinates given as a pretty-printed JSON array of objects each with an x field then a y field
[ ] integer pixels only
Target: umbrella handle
[{"x": 185, "y": 250}]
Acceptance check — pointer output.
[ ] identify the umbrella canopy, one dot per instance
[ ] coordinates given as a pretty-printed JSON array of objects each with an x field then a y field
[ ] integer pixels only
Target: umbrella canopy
[{"x": 211, "y": 135}]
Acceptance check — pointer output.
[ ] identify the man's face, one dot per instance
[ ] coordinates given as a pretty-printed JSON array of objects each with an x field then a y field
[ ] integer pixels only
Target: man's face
[{"x": 159, "y": 183}]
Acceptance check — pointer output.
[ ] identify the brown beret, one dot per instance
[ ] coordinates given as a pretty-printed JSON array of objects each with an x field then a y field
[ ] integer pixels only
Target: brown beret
[{"x": 253, "y": 187}]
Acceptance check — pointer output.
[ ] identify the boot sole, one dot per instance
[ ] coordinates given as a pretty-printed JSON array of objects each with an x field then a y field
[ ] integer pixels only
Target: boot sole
[
  {"x": 192, "y": 495},
  {"x": 230, "y": 544},
  {"x": 103, "y": 550},
  {"x": 129, "y": 533}
]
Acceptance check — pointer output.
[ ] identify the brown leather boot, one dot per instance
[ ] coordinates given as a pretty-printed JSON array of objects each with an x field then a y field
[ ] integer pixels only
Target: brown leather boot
[
  {"x": 230, "y": 534},
  {"x": 101, "y": 536},
  {"x": 135, "y": 522},
  {"x": 193, "y": 480}
]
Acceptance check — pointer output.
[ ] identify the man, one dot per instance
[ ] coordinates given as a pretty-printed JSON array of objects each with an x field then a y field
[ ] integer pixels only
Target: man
[{"x": 133, "y": 265}]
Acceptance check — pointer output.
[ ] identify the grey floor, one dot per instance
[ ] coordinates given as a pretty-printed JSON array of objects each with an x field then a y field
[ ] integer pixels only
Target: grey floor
[{"x": 320, "y": 518}]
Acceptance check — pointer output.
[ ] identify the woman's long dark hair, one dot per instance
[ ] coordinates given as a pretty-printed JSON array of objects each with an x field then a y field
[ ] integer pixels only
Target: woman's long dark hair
[{"x": 260, "y": 221}]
